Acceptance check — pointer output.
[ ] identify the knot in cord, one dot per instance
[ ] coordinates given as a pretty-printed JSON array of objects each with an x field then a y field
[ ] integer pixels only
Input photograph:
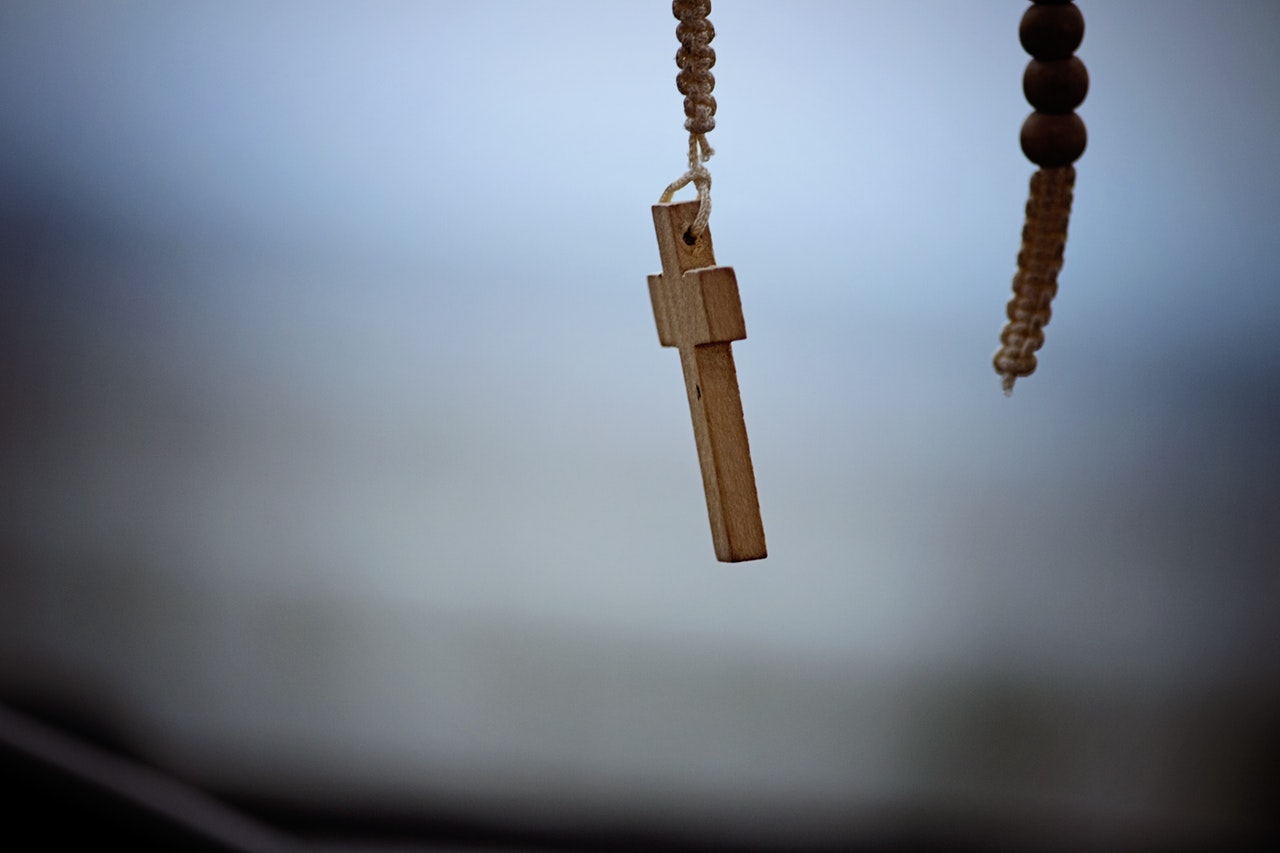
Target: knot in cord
[
  {"x": 695, "y": 59},
  {"x": 700, "y": 177},
  {"x": 695, "y": 81}
]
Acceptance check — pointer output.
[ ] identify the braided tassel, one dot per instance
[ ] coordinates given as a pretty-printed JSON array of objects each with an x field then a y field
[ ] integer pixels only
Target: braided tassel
[
  {"x": 1044, "y": 237},
  {"x": 1053, "y": 137}
]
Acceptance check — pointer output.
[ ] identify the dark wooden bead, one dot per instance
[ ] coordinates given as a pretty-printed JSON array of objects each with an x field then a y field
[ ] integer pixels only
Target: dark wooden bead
[
  {"x": 1055, "y": 85},
  {"x": 1051, "y": 31},
  {"x": 1051, "y": 140}
]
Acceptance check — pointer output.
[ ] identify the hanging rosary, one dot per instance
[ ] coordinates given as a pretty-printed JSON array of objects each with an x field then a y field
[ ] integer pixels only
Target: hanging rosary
[
  {"x": 697, "y": 309},
  {"x": 1053, "y": 137},
  {"x": 696, "y": 305}
]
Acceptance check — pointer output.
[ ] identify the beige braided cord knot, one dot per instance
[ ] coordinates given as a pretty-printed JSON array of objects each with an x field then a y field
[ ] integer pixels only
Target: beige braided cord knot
[
  {"x": 695, "y": 58},
  {"x": 1044, "y": 237}
]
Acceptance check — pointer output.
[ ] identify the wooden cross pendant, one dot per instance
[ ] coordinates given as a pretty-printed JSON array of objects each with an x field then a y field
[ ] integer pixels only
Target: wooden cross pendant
[{"x": 697, "y": 309}]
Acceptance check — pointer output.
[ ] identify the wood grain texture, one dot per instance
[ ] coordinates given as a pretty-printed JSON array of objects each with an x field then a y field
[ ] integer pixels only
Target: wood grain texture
[{"x": 697, "y": 310}]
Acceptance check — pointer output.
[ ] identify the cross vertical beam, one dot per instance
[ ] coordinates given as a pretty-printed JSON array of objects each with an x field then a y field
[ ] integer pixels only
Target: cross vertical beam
[{"x": 698, "y": 311}]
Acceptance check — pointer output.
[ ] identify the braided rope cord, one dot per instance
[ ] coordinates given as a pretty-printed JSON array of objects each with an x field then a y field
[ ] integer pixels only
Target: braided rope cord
[
  {"x": 1044, "y": 237},
  {"x": 1053, "y": 137},
  {"x": 695, "y": 81}
]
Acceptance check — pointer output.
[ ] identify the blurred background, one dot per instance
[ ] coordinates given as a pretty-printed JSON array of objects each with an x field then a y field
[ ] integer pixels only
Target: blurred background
[{"x": 341, "y": 469}]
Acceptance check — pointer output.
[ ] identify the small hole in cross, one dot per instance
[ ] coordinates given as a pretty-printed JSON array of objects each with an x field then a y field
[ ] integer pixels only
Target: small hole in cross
[{"x": 689, "y": 239}]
